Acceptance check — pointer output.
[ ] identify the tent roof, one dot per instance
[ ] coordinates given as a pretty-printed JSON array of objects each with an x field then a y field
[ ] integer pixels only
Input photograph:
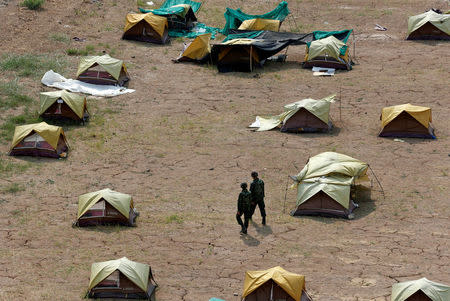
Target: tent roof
[
  {"x": 336, "y": 187},
  {"x": 50, "y": 133},
  {"x": 421, "y": 114},
  {"x": 319, "y": 108},
  {"x": 137, "y": 272},
  {"x": 331, "y": 163},
  {"x": 158, "y": 23},
  {"x": 121, "y": 201},
  {"x": 435, "y": 291},
  {"x": 330, "y": 46},
  {"x": 76, "y": 102},
  {"x": 260, "y": 24},
  {"x": 112, "y": 65},
  {"x": 342, "y": 35},
  {"x": 198, "y": 48},
  {"x": 440, "y": 21},
  {"x": 291, "y": 283}
]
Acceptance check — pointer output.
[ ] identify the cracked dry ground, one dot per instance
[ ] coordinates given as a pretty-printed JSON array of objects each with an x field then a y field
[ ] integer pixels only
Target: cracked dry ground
[{"x": 180, "y": 146}]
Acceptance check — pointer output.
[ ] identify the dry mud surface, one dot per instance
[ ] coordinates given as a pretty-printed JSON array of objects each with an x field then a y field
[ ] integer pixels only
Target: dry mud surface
[{"x": 180, "y": 146}]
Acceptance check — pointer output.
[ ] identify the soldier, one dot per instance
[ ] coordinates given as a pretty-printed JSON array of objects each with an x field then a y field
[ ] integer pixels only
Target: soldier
[
  {"x": 257, "y": 192},
  {"x": 243, "y": 205}
]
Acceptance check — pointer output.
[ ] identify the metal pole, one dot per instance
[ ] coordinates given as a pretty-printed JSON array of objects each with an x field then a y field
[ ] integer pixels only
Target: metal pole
[
  {"x": 251, "y": 48},
  {"x": 340, "y": 103}
]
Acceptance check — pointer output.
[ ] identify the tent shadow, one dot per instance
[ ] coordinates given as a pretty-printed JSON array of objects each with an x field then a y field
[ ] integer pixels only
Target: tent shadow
[
  {"x": 105, "y": 229},
  {"x": 430, "y": 42},
  {"x": 148, "y": 45},
  {"x": 410, "y": 140},
  {"x": 250, "y": 240},
  {"x": 334, "y": 132},
  {"x": 39, "y": 160},
  {"x": 262, "y": 230}
]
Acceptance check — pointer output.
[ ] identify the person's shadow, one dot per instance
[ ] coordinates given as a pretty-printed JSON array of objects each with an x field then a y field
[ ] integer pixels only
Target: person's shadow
[
  {"x": 264, "y": 230},
  {"x": 250, "y": 240}
]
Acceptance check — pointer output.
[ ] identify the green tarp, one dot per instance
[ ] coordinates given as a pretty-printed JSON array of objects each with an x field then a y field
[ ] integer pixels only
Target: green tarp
[
  {"x": 137, "y": 272},
  {"x": 199, "y": 29},
  {"x": 170, "y": 7},
  {"x": 342, "y": 35},
  {"x": 435, "y": 291},
  {"x": 234, "y": 17}
]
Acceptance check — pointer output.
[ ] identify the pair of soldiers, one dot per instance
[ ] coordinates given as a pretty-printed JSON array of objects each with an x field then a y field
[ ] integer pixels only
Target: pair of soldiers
[{"x": 248, "y": 200}]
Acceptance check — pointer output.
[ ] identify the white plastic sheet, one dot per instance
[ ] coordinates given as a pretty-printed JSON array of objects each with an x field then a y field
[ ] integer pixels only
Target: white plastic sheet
[{"x": 56, "y": 80}]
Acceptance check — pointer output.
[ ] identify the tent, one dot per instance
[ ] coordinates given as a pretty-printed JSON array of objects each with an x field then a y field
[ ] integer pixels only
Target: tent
[
  {"x": 105, "y": 207},
  {"x": 406, "y": 121},
  {"x": 342, "y": 35},
  {"x": 274, "y": 284},
  {"x": 102, "y": 70},
  {"x": 63, "y": 104},
  {"x": 429, "y": 26},
  {"x": 243, "y": 51},
  {"x": 260, "y": 24},
  {"x": 324, "y": 185},
  {"x": 121, "y": 278},
  {"x": 180, "y": 14},
  {"x": 420, "y": 290},
  {"x": 146, "y": 28},
  {"x": 306, "y": 115},
  {"x": 196, "y": 51},
  {"x": 235, "y": 17},
  {"x": 39, "y": 139},
  {"x": 328, "y": 52}
]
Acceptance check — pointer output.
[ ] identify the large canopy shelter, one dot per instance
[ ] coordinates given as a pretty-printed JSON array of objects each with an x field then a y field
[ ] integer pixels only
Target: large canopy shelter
[
  {"x": 63, "y": 104},
  {"x": 146, "y": 28},
  {"x": 421, "y": 289},
  {"x": 111, "y": 72},
  {"x": 235, "y": 17},
  {"x": 39, "y": 139},
  {"x": 306, "y": 115},
  {"x": 406, "y": 120},
  {"x": 275, "y": 282},
  {"x": 105, "y": 207},
  {"x": 429, "y": 26},
  {"x": 328, "y": 52},
  {"x": 121, "y": 278}
]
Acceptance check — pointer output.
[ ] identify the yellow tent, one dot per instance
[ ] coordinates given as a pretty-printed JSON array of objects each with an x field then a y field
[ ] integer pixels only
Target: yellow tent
[
  {"x": 260, "y": 24},
  {"x": 50, "y": 133},
  {"x": 319, "y": 108},
  {"x": 121, "y": 201},
  {"x": 440, "y": 21},
  {"x": 291, "y": 283},
  {"x": 198, "y": 49},
  {"x": 112, "y": 65},
  {"x": 137, "y": 272},
  {"x": 158, "y": 23},
  {"x": 421, "y": 114},
  {"x": 75, "y": 101}
]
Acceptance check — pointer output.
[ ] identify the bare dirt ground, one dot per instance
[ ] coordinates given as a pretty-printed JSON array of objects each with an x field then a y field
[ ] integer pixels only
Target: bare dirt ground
[{"x": 180, "y": 146}]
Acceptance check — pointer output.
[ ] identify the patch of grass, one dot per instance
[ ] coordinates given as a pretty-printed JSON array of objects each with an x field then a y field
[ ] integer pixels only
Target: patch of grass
[
  {"x": 60, "y": 37},
  {"x": 31, "y": 64},
  {"x": 13, "y": 188},
  {"x": 174, "y": 219},
  {"x": 33, "y": 4},
  {"x": 7, "y": 128},
  {"x": 10, "y": 96},
  {"x": 89, "y": 49},
  {"x": 9, "y": 167}
]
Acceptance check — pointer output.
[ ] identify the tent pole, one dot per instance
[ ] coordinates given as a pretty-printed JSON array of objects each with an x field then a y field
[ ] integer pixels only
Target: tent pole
[
  {"x": 340, "y": 103},
  {"x": 251, "y": 48},
  {"x": 376, "y": 178}
]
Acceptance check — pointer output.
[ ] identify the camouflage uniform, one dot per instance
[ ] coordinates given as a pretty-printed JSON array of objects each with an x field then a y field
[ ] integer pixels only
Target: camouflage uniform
[
  {"x": 243, "y": 205},
  {"x": 257, "y": 191}
]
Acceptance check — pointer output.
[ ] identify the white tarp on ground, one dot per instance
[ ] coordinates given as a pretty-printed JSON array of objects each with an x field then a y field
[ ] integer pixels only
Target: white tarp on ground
[{"x": 53, "y": 79}]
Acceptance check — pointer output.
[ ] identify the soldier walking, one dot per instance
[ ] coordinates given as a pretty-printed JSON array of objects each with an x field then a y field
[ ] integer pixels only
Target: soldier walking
[
  {"x": 243, "y": 206},
  {"x": 257, "y": 193}
]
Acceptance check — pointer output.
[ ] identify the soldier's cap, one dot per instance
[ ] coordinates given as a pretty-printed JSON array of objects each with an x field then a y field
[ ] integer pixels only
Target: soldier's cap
[
  {"x": 243, "y": 185},
  {"x": 254, "y": 174}
]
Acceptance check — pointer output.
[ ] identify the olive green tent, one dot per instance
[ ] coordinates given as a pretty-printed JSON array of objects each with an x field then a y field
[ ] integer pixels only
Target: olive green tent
[
  {"x": 112, "y": 65},
  {"x": 120, "y": 201},
  {"x": 327, "y": 52},
  {"x": 319, "y": 108},
  {"x": 438, "y": 26},
  {"x": 434, "y": 291},
  {"x": 137, "y": 272},
  {"x": 50, "y": 133},
  {"x": 75, "y": 102}
]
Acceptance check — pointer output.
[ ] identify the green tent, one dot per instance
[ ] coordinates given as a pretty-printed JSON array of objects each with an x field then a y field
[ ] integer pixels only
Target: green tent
[
  {"x": 75, "y": 101},
  {"x": 439, "y": 26},
  {"x": 137, "y": 272},
  {"x": 319, "y": 108},
  {"x": 111, "y": 65},
  {"x": 435, "y": 291},
  {"x": 234, "y": 17},
  {"x": 120, "y": 201}
]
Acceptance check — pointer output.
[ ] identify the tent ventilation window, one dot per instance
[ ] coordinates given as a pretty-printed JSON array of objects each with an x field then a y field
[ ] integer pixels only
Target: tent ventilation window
[{"x": 58, "y": 108}]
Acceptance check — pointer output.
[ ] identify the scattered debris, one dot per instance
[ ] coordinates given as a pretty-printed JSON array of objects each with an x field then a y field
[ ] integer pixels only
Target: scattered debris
[
  {"x": 319, "y": 71},
  {"x": 380, "y": 28},
  {"x": 399, "y": 140},
  {"x": 77, "y": 39}
]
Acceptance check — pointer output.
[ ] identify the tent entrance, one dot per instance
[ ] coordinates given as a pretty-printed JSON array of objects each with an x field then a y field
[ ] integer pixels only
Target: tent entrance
[
  {"x": 304, "y": 121},
  {"x": 144, "y": 32},
  {"x": 406, "y": 126},
  {"x": 35, "y": 145},
  {"x": 418, "y": 296},
  {"x": 237, "y": 58},
  {"x": 60, "y": 110},
  {"x": 323, "y": 205},
  {"x": 428, "y": 32}
]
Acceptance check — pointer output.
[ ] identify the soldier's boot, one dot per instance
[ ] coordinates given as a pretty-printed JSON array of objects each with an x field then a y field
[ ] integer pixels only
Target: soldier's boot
[
  {"x": 264, "y": 220},
  {"x": 243, "y": 230}
]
